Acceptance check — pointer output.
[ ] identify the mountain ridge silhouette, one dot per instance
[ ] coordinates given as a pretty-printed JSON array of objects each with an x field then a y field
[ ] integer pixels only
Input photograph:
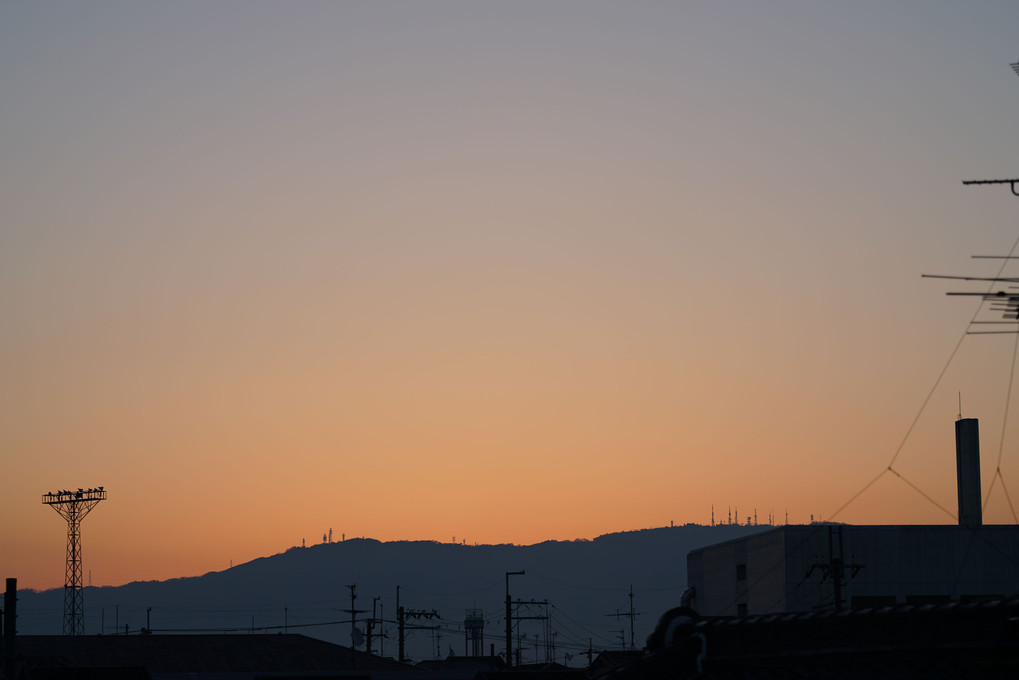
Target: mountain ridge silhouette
[{"x": 586, "y": 583}]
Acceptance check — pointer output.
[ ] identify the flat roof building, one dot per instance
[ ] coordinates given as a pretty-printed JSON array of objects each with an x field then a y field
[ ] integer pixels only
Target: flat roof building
[{"x": 802, "y": 568}]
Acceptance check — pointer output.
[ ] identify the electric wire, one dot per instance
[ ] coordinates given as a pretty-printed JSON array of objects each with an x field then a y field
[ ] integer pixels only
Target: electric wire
[
  {"x": 926, "y": 402},
  {"x": 921, "y": 492},
  {"x": 580, "y": 625},
  {"x": 1001, "y": 444},
  {"x": 1004, "y": 488},
  {"x": 574, "y": 585},
  {"x": 605, "y": 589},
  {"x": 860, "y": 492},
  {"x": 481, "y": 589}
]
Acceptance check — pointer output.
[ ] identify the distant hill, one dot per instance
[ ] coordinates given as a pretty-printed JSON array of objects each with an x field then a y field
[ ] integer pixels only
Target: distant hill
[{"x": 586, "y": 582}]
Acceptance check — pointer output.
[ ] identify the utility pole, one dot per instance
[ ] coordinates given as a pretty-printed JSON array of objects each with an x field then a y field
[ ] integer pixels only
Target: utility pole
[
  {"x": 399, "y": 633},
  {"x": 399, "y": 626},
  {"x": 836, "y": 567},
  {"x": 509, "y": 619},
  {"x": 539, "y": 617},
  {"x": 10, "y": 623},
  {"x": 382, "y": 635},
  {"x": 370, "y": 624},
  {"x": 403, "y": 614},
  {"x": 354, "y": 633},
  {"x": 633, "y": 615}
]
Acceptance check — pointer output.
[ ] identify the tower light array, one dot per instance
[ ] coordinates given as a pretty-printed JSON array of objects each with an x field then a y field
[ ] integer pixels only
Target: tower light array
[{"x": 73, "y": 506}]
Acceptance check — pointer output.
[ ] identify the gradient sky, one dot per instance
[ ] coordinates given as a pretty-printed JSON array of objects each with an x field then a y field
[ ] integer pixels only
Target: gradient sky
[{"x": 506, "y": 272}]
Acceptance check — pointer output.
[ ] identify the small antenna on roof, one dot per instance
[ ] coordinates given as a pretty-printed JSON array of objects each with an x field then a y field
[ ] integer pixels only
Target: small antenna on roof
[{"x": 960, "y": 405}]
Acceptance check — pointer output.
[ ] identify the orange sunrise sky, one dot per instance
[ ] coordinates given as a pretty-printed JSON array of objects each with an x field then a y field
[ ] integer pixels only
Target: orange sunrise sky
[{"x": 500, "y": 271}]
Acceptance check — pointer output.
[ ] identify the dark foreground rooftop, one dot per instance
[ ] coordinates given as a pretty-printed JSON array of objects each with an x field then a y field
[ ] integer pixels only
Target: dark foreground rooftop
[
  {"x": 166, "y": 656},
  {"x": 957, "y": 640}
]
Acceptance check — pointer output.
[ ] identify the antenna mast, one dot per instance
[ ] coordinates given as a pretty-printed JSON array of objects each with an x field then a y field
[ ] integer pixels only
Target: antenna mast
[{"x": 630, "y": 615}]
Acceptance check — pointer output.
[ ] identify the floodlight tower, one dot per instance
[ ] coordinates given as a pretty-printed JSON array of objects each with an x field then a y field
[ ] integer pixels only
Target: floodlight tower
[{"x": 73, "y": 506}]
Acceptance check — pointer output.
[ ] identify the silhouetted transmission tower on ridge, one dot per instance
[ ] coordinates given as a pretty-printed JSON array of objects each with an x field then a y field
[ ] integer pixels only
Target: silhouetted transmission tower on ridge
[{"x": 73, "y": 506}]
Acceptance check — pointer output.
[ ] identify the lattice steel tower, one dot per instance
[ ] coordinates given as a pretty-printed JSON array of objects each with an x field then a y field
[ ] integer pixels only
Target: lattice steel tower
[{"x": 73, "y": 506}]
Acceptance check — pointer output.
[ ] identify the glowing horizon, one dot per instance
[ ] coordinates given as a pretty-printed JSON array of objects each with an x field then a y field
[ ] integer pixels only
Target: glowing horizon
[{"x": 509, "y": 273}]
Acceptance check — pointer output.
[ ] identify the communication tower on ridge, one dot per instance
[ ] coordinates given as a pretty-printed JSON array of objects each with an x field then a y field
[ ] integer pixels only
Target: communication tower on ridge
[{"x": 73, "y": 506}]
